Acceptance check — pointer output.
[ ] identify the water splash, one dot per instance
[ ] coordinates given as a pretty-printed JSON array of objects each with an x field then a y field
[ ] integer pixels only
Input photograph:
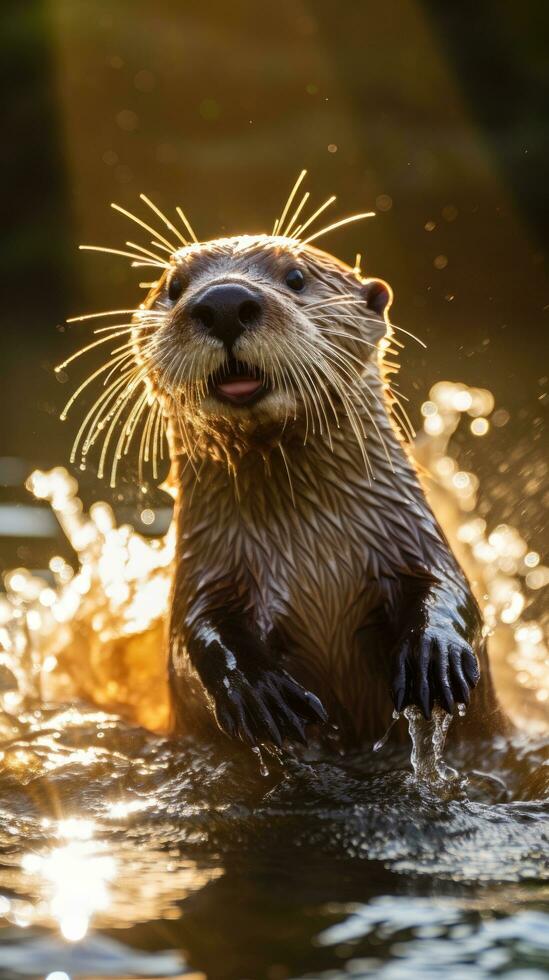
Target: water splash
[
  {"x": 428, "y": 739},
  {"x": 96, "y": 631},
  {"x": 377, "y": 746}
]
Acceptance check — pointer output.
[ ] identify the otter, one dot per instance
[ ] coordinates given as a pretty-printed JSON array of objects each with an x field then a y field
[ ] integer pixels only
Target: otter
[{"x": 312, "y": 582}]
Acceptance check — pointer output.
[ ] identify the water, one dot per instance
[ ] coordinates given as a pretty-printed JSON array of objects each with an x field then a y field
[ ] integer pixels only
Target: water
[
  {"x": 117, "y": 843},
  {"x": 126, "y": 854}
]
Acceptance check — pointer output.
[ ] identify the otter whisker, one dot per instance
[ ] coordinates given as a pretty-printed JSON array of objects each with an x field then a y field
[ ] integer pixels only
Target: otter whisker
[
  {"x": 126, "y": 434},
  {"x": 187, "y": 224},
  {"x": 118, "y": 365},
  {"x": 344, "y": 356},
  {"x": 163, "y": 217},
  {"x": 96, "y": 410},
  {"x": 163, "y": 248},
  {"x": 287, "y": 232},
  {"x": 316, "y": 214},
  {"x": 129, "y": 393},
  {"x": 130, "y": 327},
  {"x": 131, "y": 344},
  {"x": 345, "y": 299},
  {"x": 117, "y": 251},
  {"x": 331, "y": 351},
  {"x": 280, "y": 221},
  {"x": 142, "y": 442},
  {"x": 88, "y": 347},
  {"x": 290, "y": 484},
  {"x": 352, "y": 414},
  {"x": 337, "y": 224},
  {"x": 281, "y": 381},
  {"x": 390, "y": 325},
  {"x": 93, "y": 316},
  {"x": 317, "y": 401},
  {"x": 148, "y": 429},
  {"x": 107, "y": 403},
  {"x": 355, "y": 326},
  {"x": 367, "y": 319},
  {"x": 190, "y": 451},
  {"x": 164, "y": 434},
  {"x": 318, "y": 375},
  {"x": 396, "y": 384},
  {"x": 99, "y": 414},
  {"x": 133, "y": 422},
  {"x": 296, "y": 376},
  {"x": 299, "y": 382},
  {"x": 141, "y": 263},
  {"x": 331, "y": 346},
  {"x": 146, "y": 251},
  {"x": 152, "y": 419},
  {"x": 290, "y": 397},
  {"x": 383, "y": 344},
  {"x": 327, "y": 334},
  {"x": 180, "y": 422},
  {"x": 408, "y": 334},
  {"x": 350, "y": 336},
  {"x": 405, "y": 423},
  {"x": 309, "y": 385},
  {"x": 104, "y": 367},
  {"x": 138, "y": 221},
  {"x": 356, "y": 423}
]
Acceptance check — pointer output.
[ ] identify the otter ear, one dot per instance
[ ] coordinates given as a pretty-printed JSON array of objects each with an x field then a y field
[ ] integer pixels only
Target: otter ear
[{"x": 378, "y": 295}]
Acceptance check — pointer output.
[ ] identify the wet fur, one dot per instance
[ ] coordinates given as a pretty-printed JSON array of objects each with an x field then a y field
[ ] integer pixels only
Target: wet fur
[{"x": 306, "y": 561}]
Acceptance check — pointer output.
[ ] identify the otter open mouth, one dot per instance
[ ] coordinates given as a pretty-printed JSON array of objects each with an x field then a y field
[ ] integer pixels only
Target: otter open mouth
[{"x": 237, "y": 383}]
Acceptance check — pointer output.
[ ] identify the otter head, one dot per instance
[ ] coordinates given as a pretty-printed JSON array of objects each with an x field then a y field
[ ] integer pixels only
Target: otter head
[
  {"x": 241, "y": 344},
  {"x": 255, "y": 338}
]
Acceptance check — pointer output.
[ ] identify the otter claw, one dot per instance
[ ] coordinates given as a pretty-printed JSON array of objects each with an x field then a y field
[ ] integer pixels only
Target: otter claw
[
  {"x": 316, "y": 706},
  {"x": 429, "y": 667},
  {"x": 270, "y": 709}
]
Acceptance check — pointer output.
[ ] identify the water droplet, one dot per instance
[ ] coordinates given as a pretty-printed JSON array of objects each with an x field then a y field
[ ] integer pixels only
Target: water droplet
[
  {"x": 377, "y": 746},
  {"x": 263, "y": 770}
]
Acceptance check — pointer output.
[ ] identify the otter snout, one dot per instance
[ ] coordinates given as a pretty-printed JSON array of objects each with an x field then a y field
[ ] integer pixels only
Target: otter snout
[{"x": 225, "y": 310}]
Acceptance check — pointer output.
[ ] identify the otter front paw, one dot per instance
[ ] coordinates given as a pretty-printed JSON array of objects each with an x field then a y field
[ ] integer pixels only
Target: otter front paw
[
  {"x": 269, "y": 708},
  {"x": 433, "y": 664}
]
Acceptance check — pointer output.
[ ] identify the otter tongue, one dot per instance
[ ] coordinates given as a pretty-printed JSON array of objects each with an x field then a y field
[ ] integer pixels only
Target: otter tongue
[{"x": 239, "y": 388}]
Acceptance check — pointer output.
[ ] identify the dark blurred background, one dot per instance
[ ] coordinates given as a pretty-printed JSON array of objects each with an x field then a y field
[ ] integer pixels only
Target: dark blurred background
[{"x": 432, "y": 113}]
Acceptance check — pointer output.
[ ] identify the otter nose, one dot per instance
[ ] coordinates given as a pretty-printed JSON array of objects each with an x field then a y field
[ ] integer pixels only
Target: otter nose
[{"x": 225, "y": 310}]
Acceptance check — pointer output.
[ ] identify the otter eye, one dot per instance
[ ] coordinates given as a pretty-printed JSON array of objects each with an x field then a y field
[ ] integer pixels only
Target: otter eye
[
  {"x": 295, "y": 280},
  {"x": 175, "y": 288}
]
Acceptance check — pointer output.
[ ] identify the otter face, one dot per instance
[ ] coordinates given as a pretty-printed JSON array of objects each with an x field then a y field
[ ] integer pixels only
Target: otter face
[{"x": 256, "y": 332}]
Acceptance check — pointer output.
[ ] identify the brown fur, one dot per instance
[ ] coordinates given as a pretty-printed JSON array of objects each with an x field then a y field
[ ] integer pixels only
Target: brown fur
[{"x": 279, "y": 513}]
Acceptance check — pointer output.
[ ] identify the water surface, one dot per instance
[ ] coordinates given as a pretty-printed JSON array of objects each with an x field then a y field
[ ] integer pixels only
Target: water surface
[{"x": 124, "y": 854}]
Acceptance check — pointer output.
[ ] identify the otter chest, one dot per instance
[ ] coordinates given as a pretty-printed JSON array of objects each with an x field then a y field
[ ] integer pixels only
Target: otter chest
[{"x": 307, "y": 570}]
